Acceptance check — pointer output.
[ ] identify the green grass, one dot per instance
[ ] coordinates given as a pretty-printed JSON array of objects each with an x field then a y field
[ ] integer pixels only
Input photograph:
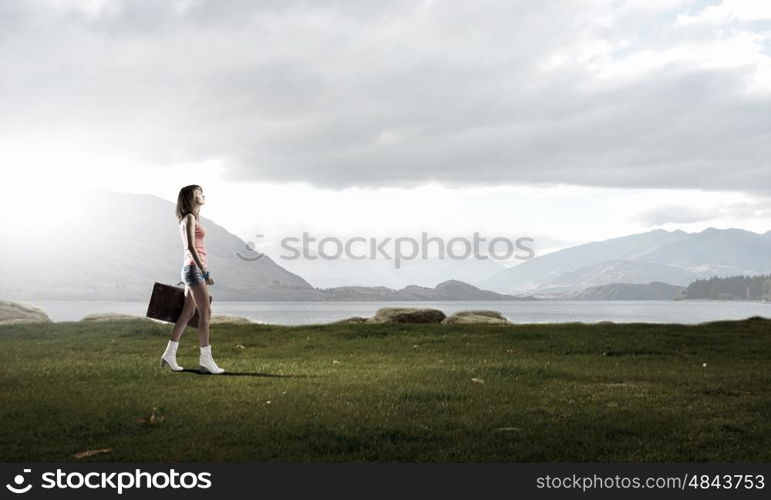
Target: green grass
[{"x": 334, "y": 393}]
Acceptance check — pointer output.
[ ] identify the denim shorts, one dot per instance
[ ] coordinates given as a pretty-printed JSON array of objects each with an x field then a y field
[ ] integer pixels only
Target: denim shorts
[{"x": 191, "y": 275}]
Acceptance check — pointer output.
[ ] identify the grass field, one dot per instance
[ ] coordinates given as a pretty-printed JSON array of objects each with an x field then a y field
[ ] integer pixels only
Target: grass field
[{"x": 414, "y": 393}]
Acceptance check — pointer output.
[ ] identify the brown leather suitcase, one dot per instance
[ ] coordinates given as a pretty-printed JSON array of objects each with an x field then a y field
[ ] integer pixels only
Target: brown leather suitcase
[{"x": 166, "y": 304}]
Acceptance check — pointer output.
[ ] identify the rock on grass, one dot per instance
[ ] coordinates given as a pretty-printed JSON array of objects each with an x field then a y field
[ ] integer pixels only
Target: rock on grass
[
  {"x": 214, "y": 320},
  {"x": 12, "y": 313},
  {"x": 477, "y": 316},
  {"x": 407, "y": 315}
]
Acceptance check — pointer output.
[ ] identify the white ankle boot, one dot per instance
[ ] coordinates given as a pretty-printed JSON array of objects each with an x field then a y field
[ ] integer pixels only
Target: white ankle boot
[
  {"x": 206, "y": 362},
  {"x": 170, "y": 356}
]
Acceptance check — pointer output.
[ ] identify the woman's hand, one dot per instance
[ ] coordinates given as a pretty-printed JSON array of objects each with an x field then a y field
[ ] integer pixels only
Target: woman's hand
[{"x": 209, "y": 281}]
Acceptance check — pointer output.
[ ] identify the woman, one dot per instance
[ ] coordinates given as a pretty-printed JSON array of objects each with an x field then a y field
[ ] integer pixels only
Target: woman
[{"x": 196, "y": 276}]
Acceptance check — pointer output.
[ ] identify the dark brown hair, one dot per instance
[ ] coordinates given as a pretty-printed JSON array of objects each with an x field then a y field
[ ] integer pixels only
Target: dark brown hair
[{"x": 186, "y": 202}]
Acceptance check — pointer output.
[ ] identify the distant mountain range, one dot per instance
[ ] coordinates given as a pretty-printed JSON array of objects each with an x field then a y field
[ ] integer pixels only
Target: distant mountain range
[
  {"x": 675, "y": 258},
  {"x": 120, "y": 246},
  {"x": 122, "y": 243},
  {"x": 329, "y": 273},
  {"x": 630, "y": 291},
  {"x": 448, "y": 290}
]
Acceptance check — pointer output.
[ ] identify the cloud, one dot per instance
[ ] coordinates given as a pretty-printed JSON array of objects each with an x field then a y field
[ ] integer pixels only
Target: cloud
[
  {"x": 728, "y": 10},
  {"x": 676, "y": 214},
  {"x": 370, "y": 94},
  {"x": 700, "y": 209}
]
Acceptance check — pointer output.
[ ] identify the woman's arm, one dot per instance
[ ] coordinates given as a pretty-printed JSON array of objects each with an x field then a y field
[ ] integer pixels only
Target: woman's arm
[{"x": 190, "y": 235}]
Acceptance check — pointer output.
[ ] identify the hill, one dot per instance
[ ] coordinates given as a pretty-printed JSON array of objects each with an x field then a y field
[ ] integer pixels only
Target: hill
[
  {"x": 630, "y": 291},
  {"x": 116, "y": 245},
  {"x": 673, "y": 257},
  {"x": 448, "y": 290},
  {"x": 731, "y": 288}
]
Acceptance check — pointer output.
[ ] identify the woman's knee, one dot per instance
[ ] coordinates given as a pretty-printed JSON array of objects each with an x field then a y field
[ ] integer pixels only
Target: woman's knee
[
  {"x": 187, "y": 315},
  {"x": 204, "y": 313}
]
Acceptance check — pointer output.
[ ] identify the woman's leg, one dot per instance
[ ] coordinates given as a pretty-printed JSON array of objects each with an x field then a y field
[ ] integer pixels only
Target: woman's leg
[
  {"x": 188, "y": 309},
  {"x": 201, "y": 297}
]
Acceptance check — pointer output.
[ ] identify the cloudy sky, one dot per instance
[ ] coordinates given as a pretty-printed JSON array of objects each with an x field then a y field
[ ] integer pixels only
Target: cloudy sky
[{"x": 566, "y": 121}]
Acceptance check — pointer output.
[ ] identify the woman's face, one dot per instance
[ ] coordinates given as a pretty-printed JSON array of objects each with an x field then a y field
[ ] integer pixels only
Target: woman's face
[{"x": 200, "y": 199}]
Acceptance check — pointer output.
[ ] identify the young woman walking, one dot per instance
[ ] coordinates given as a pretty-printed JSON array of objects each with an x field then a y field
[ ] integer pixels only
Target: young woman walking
[{"x": 197, "y": 279}]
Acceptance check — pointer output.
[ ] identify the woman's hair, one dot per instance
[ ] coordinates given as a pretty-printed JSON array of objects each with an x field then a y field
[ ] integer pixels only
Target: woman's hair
[{"x": 186, "y": 202}]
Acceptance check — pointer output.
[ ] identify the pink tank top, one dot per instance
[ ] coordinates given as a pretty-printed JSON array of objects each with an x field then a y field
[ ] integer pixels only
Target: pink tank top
[{"x": 200, "y": 245}]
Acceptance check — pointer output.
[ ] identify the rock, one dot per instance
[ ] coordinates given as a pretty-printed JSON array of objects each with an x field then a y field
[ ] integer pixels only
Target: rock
[
  {"x": 215, "y": 319},
  {"x": 227, "y": 319},
  {"x": 407, "y": 315},
  {"x": 12, "y": 313},
  {"x": 110, "y": 316},
  {"x": 477, "y": 316},
  {"x": 352, "y": 319}
]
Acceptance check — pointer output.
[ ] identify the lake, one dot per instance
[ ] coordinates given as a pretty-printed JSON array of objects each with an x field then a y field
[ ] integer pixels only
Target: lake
[{"x": 544, "y": 311}]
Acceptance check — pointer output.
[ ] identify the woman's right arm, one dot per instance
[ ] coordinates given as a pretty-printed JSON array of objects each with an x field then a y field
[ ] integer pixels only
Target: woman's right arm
[{"x": 190, "y": 236}]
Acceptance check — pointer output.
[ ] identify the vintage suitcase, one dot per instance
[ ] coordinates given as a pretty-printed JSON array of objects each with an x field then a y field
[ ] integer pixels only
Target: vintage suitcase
[{"x": 166, "y": 304}]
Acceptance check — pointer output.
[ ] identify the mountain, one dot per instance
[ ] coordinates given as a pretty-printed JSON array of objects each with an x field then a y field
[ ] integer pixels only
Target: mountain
[
  {"x": 117, "y": 245},
  {"x": 720, "y": 251},
  {"x": 448, "y": 290},
  {"x": 619, "y": 271},
  {"x": 673, "y": 257},
  {"x": 629, "y": 291},
  {"x": 325, "y": 273},
  {"x": 114, "y": 246}
]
